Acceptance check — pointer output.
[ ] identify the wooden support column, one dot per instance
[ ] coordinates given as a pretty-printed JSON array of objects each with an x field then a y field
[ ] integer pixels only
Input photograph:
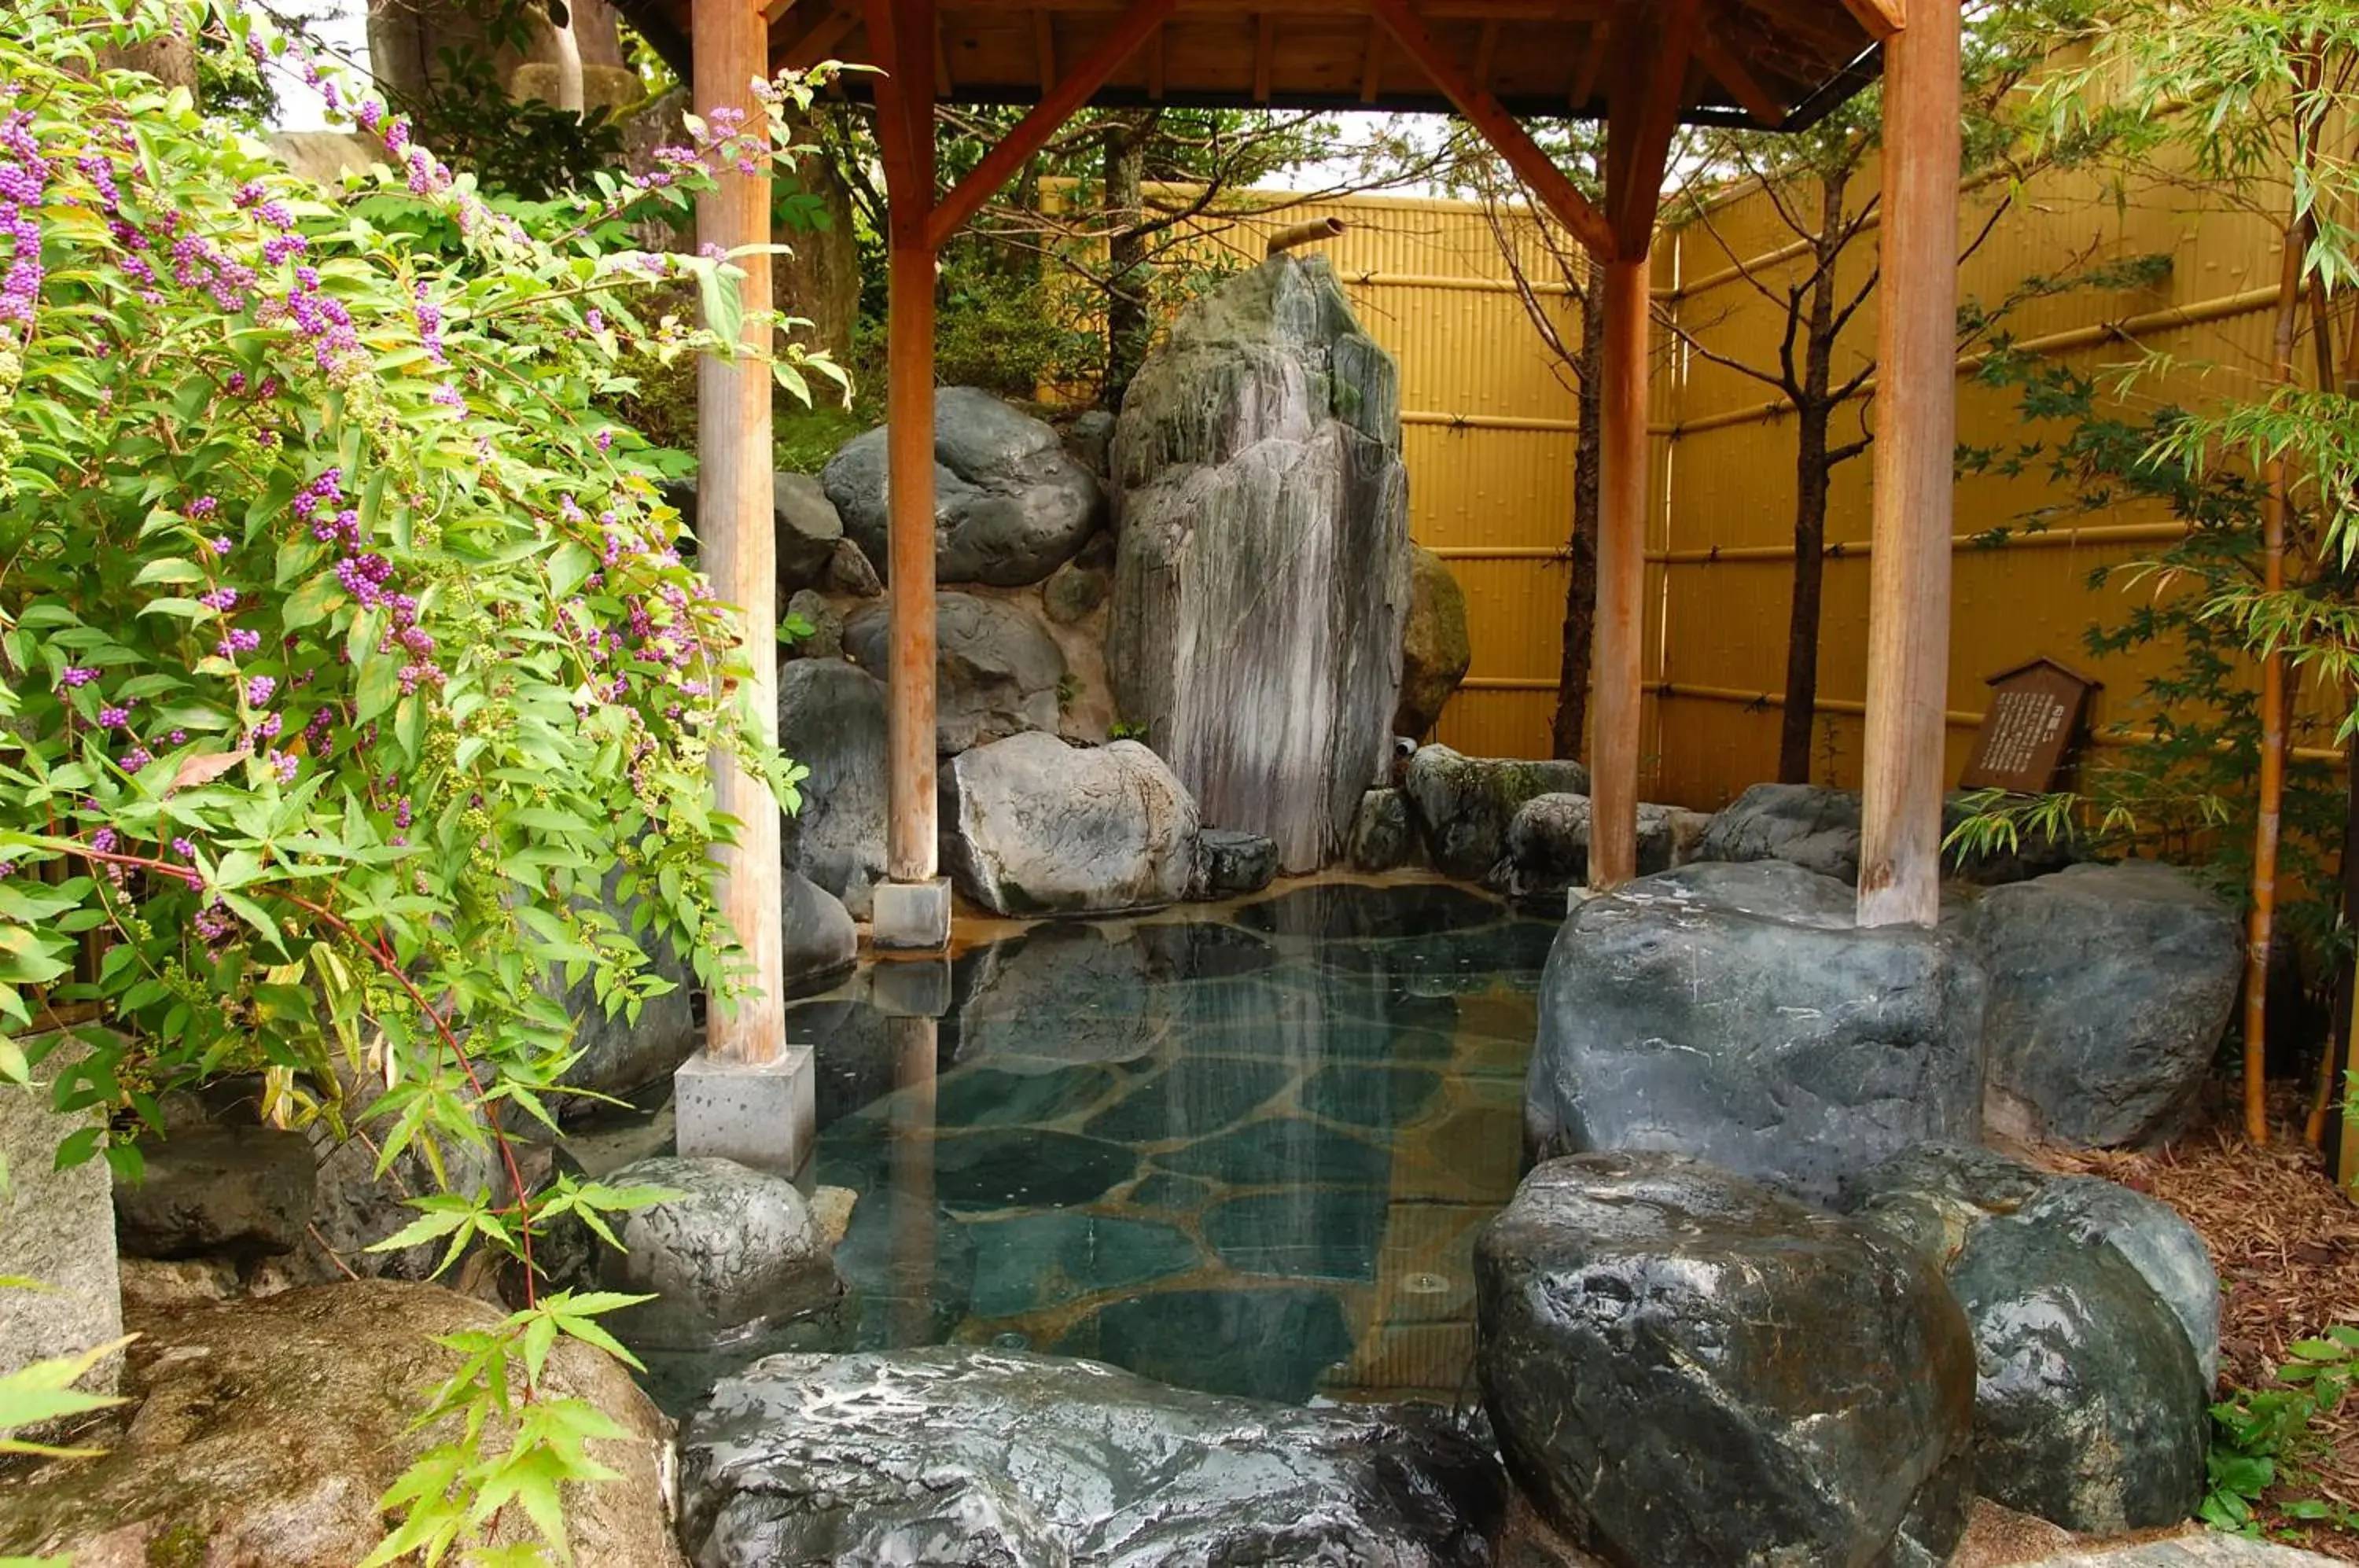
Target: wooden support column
[
  {"x": 735, "y": 542},
  {"x": 1908, "y": 586},
  {"x": 902, "y": 32},
  {"x": 1642, "y": 111},
  {"x": 1617, "y": 651}
]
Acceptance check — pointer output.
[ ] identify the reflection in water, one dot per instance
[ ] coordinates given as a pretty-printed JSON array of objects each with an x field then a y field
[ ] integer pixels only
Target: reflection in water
[
  {"x": 1242, "y": 1150},
  {"x": 914, "y": 1047}
]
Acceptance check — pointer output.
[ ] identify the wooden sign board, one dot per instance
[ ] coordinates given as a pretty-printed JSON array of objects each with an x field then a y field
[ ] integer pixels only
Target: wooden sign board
[{"x": 2035, "y": 716}]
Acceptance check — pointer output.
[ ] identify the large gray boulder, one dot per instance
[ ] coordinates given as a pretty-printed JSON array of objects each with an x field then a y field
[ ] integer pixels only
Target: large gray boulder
[
  {"x": 2091, "y": 1411},
  {"x": 1547, "y": 847},
  {"x": 1803, "y": 824},
  {"x": 1463, "y": 804},
  {"x": 355, "y": 1205},
  {"x": 1262, "y": 577},
  {"x": 1688, "y": 1370},
  {"x": 1818, "y": 828},
  {"x": 2111, "y": 986},
  {"x": 2089, "y": 1415},
  {"x": 831, "y": 720},
  {"x": 808, "y": 532},
  {"x": 1936, "y": 1196},
  {"x": 1034, "y": 826},
  {"x": 1010, "y": 503},
  {"x": 996, "y": 670},
  {"x": 1737, "y": 1014},
  {"x": 1382, "y": 836},
  {"x": 822, "y": 941},
  {"x": 809, "y": 543},
  {"x": 231, "y": 1191},
  {"x": 959, "y": 1455},
  {"x": 1230, "y": 864},
  {"x": 732, "y": 1247},
  {"x": 267, "y": 1430},
  {"x": 1435, "y": 653}
]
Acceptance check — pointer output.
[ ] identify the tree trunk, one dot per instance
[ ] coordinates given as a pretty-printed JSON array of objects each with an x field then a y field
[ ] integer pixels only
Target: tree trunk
[
  {"x": 1580, "y": 550},
  {"x": 818, "y": 278},
  {"x": 1815, "y": 412},
  {"x": 1810, "y": 578},
  {"x": 170, "y": 60},
  {"x": 1130, "y": 324}
]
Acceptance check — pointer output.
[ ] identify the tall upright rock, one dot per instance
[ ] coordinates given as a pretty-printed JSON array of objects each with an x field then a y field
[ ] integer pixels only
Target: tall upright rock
[{"x": 1262, "y": 577}]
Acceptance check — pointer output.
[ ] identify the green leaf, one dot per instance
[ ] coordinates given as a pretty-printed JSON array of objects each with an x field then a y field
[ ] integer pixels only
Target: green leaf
[
  {"x": 380, "y": 684},
  {"x": 168, "y": 571},
  {"x": 44, "y": 1391},
  {"x": 430, "y": 1227},
  {"x": 312, "y": 603},
  {"x": 569, "y": 567}
]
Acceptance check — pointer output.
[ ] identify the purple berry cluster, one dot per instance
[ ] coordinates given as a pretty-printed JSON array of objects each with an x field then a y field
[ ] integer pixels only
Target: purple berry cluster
[{"x": 24, "y": 181}]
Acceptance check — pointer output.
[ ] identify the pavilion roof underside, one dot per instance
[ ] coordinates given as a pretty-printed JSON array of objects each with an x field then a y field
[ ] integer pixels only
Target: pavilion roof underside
[{"x": 1771, "y": 63}]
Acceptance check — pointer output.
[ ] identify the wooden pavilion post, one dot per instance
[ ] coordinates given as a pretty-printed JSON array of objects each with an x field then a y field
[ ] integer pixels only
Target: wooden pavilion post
[
  {"x": 748, "y": 1096},
  {"x": 1643, "y": 108},
  {"x": 735, "y": 543},
  {"x": 912, "y": 910},
  {"x": 1909, "y": 608},
  {"x": 1616, "y": 651}
]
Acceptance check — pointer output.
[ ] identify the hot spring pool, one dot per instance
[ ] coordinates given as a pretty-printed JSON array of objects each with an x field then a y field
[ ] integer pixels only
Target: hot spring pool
[{"x": 1238, "y": 1148}]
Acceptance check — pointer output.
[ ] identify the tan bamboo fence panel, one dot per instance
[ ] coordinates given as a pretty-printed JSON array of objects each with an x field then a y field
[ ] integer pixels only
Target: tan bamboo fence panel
[
  {"x": 1489, "y": 433},
  {"x": 1727, "y": 548}
]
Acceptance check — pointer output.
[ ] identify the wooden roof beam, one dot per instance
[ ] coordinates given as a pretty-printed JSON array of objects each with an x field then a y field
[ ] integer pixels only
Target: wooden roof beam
[
  {"x": 774, "y": 11},
  {"x": 1044, "y": 47},
  {"x": 1882, "y": 18},
  {"x": 1643, "y": 111},
  {"x": 1372, "y": 63},
  {"x": 1056, "y": 106},
  {"x": 1592, "y": 66},
  {"x": 808, "y": 48},
  {"x": 1155, "y": 65},
  {"x": 1509, "y": 140},
  {"x": 1486, "y": 49},
  {"x": 1265, "y": 48},
  {"x": 1731, "y": 71}
]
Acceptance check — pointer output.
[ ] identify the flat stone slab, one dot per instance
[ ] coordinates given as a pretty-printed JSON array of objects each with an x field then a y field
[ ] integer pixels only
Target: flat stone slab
[{"x": 2190, "y": 1551}]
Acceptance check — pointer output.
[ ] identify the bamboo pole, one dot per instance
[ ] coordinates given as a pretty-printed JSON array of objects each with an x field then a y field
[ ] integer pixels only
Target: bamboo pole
[
  {"x": 735, "y": 544},
  {"x": 1908, "y": 614},
  {"x": 2268, "y": 802},
  {"x": 1311, "y": 232},
  {"x": 1615, "y": 709}
]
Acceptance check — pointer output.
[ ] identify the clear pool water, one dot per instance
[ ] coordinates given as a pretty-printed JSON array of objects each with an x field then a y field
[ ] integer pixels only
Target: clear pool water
[{"x": 1242, "y": 1148}]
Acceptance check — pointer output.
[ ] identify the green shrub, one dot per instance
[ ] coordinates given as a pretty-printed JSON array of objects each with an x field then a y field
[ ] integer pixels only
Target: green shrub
[{"x": 346, "y": 654}]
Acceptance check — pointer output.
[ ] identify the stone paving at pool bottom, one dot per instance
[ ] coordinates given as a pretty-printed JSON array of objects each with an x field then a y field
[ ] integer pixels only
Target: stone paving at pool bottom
[{"x": 1245, "y": 1151}]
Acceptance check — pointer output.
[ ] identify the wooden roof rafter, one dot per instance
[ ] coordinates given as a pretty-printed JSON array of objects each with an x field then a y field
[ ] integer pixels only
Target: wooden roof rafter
[
  {"x": 1057, "y": 105},
  {"x": 824, "y": 27},
  {"x": 1506, "y": 135}
]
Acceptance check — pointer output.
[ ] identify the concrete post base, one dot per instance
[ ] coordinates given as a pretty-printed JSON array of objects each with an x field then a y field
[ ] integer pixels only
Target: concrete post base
[
  {"x": 912, "y": 917},
  {"x": 764, "y": 1115}
]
